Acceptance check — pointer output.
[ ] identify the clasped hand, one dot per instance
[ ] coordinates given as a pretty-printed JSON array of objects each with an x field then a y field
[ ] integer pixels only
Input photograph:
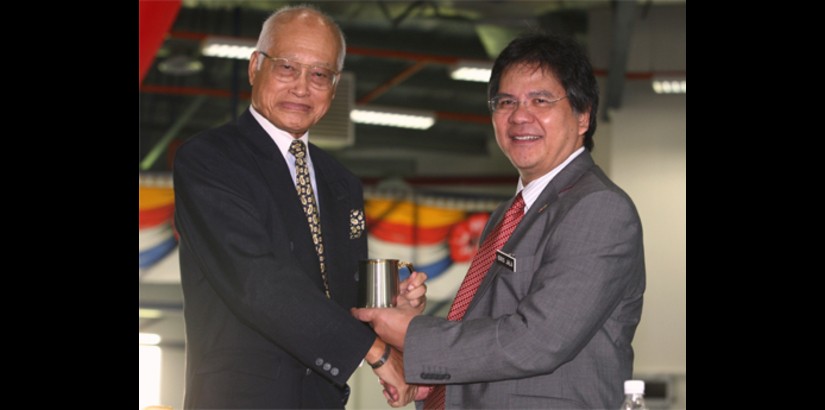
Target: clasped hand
[
  {"x": 391, "y": 323},
  {"x": 391, "y": 326}
]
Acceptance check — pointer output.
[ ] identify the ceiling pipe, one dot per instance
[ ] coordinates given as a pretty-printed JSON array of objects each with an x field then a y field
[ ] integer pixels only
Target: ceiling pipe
[
  {"x": 624, "y": 14},
  {"x": 421, "y": 60},
  {"x": 212, "y": 92},
  {"x": 360, "y": 51},
  {"x": 430, "y": 58},
  {"x": 461, "y": 117},
  {"x": 392, "y": 82},
  {"x": 170, "y": 134},
  {"x": 403, "y": 55},
  {"x": 172, "y": 90}
]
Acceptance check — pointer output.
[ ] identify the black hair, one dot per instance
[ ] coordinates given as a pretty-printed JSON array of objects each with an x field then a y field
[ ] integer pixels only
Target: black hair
[{"x": 566, "y": 59}]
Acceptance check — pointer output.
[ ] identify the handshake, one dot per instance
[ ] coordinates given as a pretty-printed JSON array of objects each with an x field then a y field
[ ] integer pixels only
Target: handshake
[{"x": 386, "y": 354}]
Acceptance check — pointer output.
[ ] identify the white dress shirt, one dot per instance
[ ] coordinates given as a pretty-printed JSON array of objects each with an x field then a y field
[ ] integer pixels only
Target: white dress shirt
[
  {"x": 283, "y": 140},
  {"x": 532, "y": 191}
]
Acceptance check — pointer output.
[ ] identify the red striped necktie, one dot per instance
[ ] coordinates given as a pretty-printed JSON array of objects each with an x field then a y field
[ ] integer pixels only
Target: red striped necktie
[{"x": 482, "y": 261}]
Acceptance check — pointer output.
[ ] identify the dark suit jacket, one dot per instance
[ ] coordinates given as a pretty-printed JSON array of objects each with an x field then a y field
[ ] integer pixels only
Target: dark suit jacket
[
  {"x": 259, "y": 331},
  {"x": 556, "y": 332}
]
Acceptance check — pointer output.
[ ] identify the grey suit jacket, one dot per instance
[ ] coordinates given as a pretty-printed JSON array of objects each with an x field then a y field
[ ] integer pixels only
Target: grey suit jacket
[{"x": 556, "y": 332}]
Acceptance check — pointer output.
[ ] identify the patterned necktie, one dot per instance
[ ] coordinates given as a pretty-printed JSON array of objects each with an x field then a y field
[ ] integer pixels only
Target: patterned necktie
[
  {"x": 478, "y": 269},
  {"x": 304, "y": 186}
]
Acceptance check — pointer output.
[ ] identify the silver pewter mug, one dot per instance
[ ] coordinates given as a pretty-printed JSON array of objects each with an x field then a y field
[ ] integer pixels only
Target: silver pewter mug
[{"x": 378, "y": 282}]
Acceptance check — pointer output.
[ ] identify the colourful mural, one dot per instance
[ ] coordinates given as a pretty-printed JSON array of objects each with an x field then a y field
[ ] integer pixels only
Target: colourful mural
[
  {"x": 438, "y": 233},
  {"x": 155, "y": 219}
]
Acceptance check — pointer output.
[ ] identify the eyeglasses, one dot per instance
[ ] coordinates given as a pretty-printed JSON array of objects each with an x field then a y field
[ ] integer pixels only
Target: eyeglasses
[
  {"x": 507, "y": 104},
  {"x": 287, "y": 70}
]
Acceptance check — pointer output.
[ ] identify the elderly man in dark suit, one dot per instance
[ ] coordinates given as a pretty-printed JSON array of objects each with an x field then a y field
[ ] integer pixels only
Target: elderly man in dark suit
[
  {"x": 547, "y": 312},
  {"x": 271, "y": 231}
]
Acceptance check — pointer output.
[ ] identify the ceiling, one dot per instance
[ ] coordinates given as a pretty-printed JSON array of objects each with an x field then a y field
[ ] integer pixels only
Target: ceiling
[{"x": 398, "y": 54}]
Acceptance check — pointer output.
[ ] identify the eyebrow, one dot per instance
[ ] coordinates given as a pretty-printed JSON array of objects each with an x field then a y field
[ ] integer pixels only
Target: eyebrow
[
  {"x": 531, "y": 94},
  {"x": 319, "y": 64},
  {"x": 541, "y": 93}
]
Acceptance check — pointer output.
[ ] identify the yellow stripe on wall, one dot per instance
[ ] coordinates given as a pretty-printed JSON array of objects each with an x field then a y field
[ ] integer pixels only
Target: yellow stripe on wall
[
  {"x": 402, "y": 212},
  {"x": 149, "y": 198}
]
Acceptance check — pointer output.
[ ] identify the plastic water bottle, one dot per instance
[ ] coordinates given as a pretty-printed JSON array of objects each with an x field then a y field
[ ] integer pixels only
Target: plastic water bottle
[{"x": 634, "y": 395}]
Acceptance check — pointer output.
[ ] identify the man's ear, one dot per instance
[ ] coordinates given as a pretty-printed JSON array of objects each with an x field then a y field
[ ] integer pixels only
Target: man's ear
[
  {"x": 253, "y": 67},
  {"x": 584, "y": 122}
]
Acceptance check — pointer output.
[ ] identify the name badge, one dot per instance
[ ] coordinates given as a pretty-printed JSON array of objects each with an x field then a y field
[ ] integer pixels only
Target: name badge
[{"x": 509, "y": 261}]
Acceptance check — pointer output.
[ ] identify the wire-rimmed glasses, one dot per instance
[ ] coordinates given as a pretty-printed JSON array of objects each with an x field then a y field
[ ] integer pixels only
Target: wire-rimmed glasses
[
  {"x": 507, "y": 103},
  {"x": 287, "y": 70}
]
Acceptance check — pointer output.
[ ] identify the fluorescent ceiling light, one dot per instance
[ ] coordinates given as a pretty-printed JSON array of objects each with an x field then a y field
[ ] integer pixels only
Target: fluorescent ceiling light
[
  {"x": 670, "y": 86},
  {"x": 149, "y": 313},
  {"x": 471, "y": 71},
  {"x": 227, "y": 47},
  {"x": 148, "y": 338},
  {"x": 180, "y": 65},
  {"x": 393, "y": 117}
]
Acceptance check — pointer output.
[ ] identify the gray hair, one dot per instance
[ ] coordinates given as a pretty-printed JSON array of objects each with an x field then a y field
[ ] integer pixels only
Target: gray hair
[{"x": 286, "y": 13}]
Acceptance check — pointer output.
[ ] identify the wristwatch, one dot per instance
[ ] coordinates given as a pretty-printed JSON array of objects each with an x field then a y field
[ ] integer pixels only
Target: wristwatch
[{"x": 383, "y": 358}]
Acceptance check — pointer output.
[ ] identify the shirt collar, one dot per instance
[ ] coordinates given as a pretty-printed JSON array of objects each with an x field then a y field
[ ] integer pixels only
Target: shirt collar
[
  {"x": 532, "y": 191},
  {"x": 281, "y": 138}
]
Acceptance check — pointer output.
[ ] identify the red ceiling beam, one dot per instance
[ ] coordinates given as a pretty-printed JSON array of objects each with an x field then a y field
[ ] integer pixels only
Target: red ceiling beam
[
  {"x": 361, "y": 51},
  {"x": 457, "y": 116},
  {"x": 154, "y": 20},
  {"x": 392, "y": 82},
  {"x": 401, "y": 55},
  {"x": 213, "y": 92},
  {"x": 434, "y": 58}
]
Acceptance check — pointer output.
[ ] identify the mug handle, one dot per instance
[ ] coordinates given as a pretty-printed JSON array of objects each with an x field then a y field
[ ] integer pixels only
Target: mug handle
[{"x": 408, "y": 265}]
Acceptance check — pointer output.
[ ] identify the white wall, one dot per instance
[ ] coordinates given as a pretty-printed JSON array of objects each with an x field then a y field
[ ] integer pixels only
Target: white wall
[
  {"x": 172, "y": 376},
  {"x": 648, "y": 160},
  {"x": 644, "y": 152}
]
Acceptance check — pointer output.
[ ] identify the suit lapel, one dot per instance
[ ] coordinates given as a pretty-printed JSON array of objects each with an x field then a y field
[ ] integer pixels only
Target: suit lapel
[
  {"x": 282, "y": 191},
  {"x": 558, "y": 185},
  {"x": 272, "y": 165}
]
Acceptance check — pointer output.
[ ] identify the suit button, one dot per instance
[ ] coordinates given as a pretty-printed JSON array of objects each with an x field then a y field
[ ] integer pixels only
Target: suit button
[
  {"x": 327, "y": 366},
  {"x": 334, "y": 371},
  {"x": 309, "y": 371},
  {"x": 319, "y": 361}
]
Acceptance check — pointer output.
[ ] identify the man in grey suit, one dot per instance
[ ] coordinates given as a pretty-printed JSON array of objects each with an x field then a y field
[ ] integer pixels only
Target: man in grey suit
[{"x": 551, "y": 323}]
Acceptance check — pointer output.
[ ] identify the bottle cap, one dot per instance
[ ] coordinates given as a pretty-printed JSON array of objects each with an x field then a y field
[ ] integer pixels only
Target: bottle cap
[{"x": 634, "y": 387}]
